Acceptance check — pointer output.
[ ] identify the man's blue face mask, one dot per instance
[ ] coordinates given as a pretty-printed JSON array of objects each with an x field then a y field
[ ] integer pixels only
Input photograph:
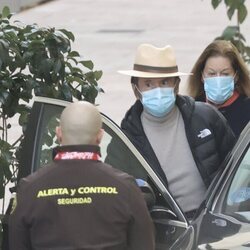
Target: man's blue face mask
[
  {"x": 219, "y": 89},
  {"x": 158, "y": 101}
]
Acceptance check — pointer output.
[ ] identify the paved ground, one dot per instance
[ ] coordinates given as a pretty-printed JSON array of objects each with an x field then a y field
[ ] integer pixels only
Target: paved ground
[{"x": 109, "y": 31}]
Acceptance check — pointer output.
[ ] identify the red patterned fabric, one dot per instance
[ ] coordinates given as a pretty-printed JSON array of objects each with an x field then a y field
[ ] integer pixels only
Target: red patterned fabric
[{"x": 77, "y": 156}]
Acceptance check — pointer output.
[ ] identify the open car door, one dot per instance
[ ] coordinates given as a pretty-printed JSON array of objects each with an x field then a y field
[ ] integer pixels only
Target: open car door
[{"x": 172, "y": 231}]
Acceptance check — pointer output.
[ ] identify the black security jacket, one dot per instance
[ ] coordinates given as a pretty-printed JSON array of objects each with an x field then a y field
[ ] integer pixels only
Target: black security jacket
[
  {"x": 208, "y": 152},
  {"x": 56, "y": 209}
]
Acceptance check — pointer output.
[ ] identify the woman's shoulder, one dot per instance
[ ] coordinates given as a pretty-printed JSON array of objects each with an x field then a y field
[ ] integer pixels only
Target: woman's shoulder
[{"x": 243, "y": 102}]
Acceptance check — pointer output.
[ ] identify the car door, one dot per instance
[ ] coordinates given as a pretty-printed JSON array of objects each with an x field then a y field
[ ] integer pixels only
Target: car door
[
  {"x": 170, "y": 223},
  {"x": 225, "y": 221}
]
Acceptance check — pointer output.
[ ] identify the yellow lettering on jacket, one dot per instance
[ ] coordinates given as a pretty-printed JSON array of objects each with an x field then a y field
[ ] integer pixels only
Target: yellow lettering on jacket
[
  {"x": 52, "y": 192},
  {"x": 75, "y": 191},
  {"x": 97, "y": 190},
  {"x": 72, "y": 201}
]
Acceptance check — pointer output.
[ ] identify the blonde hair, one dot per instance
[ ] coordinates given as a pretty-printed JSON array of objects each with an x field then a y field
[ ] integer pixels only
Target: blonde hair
[{"x": 219, "y": 48}]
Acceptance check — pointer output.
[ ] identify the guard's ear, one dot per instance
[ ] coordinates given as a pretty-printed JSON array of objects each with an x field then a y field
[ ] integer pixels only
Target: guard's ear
[
  {"x": 59, "y": 134},
  {"x": 99, "y": 136}
]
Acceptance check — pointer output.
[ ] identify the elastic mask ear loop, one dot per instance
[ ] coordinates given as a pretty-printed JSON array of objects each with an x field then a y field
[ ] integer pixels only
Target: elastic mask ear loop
[
  {"x": 236, "y": 85},
  {"x": 140, "y": 94},
  {"x": 235, "y": 75},
  {"x": 176, "y": 86}
]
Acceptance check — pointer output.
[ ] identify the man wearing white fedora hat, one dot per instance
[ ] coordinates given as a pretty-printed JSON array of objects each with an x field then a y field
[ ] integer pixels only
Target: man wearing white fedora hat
[{"x": 184, "y": 141}]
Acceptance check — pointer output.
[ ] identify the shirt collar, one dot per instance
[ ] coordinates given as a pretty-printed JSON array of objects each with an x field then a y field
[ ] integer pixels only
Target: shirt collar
[{"x": 228, "y": 102}]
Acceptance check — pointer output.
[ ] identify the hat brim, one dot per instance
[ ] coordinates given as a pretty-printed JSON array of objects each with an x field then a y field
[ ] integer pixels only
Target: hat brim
[{"x": 136, "y": 73}]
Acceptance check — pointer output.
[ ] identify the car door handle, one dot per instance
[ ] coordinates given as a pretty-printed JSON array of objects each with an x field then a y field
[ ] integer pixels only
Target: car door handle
[{"x": 220, "y": 222}]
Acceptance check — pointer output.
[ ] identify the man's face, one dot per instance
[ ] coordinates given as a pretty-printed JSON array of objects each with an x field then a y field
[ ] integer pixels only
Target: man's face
[{"x": 145, "y": 84}]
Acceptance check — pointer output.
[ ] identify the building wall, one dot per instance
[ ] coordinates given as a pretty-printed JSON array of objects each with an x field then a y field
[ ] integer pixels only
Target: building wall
[{"x": 17, "y": 5}]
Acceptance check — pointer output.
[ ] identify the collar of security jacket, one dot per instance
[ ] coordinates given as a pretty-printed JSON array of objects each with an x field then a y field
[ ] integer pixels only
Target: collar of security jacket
[{"x": 76, "y": 148}]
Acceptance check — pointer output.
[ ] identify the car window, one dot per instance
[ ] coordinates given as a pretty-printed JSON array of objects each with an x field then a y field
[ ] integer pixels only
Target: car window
[
  {"x": 113, "y": 150},
  {"x": 116, "y": 153},
  {"x": 48, "y": 139},
  {"x": 237, "y": 202}
]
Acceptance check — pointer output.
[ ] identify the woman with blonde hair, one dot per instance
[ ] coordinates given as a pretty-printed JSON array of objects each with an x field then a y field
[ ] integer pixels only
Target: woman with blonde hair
[{"x": 221, "y": 78}]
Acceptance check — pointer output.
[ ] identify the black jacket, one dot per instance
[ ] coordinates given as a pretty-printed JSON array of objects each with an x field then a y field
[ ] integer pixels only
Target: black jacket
[
  {"x": 237, "y": 114},
  {"x": 80, "y": 204},
  {"x": 208, "y": 152}
]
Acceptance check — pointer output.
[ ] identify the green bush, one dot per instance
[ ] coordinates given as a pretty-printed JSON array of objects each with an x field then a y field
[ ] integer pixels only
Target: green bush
[
  {"x": 233, "y": 33},
  {"x": 36, "y": 61}
]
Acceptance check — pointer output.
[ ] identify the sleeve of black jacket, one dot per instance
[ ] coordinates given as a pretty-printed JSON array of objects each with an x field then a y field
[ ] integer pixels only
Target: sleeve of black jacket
[
  {"x": 19, "y": 237},
  {"x": 224, "y": 136},
  {"x": 140, "y": 233},
  {"x": 210, "y": 138}
]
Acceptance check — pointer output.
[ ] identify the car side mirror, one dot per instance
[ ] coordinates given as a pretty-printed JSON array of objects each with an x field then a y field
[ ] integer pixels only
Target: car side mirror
[{"x": 147, "y": 192}]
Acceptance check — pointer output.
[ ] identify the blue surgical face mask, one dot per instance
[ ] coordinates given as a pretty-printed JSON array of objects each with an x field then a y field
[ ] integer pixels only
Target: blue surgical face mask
[
  {"x": 219, "y": 89},
  {"x": 158, "y": 101}
]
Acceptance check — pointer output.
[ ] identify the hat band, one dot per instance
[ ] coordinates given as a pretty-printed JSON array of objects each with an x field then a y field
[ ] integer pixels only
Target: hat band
[{"x": 152, "y": 69}]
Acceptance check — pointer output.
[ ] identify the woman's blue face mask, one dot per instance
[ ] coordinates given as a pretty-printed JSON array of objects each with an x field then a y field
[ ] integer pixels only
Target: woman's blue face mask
[
  {"x": 158, "y": 101},
  {"x": 219, "y": 89}
]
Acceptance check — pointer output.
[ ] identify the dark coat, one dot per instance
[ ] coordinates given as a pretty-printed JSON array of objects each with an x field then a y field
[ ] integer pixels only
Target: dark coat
[
  {"x": 237, "y": 114},
  {"x": 208, "y": 152},
  {"x": 56, "y": 208}
]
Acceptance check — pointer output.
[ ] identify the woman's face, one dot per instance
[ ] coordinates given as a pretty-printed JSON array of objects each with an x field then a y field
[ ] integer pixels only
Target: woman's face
[
  {"x": 218, "y": 77},
  {"x": 218, "y": 66}
]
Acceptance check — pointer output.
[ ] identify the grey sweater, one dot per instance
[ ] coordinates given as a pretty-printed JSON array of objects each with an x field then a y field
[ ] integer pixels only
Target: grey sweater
[{"x": 168, "y": 139}]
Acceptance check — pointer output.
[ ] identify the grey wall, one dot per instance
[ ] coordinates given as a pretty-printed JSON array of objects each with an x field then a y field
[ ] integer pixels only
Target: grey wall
[{"x": 17, "y": 5}]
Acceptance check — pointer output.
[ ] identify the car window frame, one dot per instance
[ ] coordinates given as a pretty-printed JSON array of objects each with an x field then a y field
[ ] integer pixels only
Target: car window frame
[
  {"x": 218, "y": 206},
  {"x": 233, "y": 162}
]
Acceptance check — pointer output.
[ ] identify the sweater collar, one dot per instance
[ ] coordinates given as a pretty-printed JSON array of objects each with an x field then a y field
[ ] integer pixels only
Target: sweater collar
[
  {"x": 231, "y": 100},
  {"x": 158, "y": 121}
]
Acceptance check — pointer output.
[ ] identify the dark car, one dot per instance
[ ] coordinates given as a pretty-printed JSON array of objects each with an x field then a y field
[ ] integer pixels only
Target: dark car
[{"x": 223, "y": 219}]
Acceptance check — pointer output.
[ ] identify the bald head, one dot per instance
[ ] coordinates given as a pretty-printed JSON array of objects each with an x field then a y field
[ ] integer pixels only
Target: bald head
[{"x": 80, "y": 123}]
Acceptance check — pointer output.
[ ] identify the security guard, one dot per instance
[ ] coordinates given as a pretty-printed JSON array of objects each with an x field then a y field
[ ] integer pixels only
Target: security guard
[{"x": 78, "y": 202}]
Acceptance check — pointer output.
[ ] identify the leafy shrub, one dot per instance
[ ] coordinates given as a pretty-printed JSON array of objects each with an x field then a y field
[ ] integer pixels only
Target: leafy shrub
[{"x": 36, "y": 61}]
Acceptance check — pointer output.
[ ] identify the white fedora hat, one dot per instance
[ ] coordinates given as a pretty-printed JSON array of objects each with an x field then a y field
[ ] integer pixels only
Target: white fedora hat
[{"x": 153, "y": 62}]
